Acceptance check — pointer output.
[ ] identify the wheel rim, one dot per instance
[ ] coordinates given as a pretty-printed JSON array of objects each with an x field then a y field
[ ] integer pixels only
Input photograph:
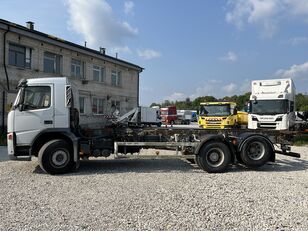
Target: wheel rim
[
  {"x": 59, "y": 158},
  {"x": 215, "y": 157},
  {"x": 256, "y": 150}
]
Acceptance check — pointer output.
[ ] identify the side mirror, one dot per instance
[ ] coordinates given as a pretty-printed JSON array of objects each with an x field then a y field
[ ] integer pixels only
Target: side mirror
[
  {"x": 21, "y": 107},
  {"x": 235, "y": 111},
  {"x": 248, "y": 107}
]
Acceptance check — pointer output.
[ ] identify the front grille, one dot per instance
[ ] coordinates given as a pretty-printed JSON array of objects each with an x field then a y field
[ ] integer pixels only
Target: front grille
[
  {"x": 213, "y": 122},
  {"x": 268, "y": 125}
]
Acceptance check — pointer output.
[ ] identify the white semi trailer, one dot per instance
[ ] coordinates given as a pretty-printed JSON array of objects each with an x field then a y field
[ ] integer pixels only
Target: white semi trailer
[
  {"x": 272, "y": 104},
  {"x": 44, "y": 123}
]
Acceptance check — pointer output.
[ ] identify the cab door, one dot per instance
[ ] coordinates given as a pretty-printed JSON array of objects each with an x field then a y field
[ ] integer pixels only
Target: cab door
[{"x": 35, "y": 113}]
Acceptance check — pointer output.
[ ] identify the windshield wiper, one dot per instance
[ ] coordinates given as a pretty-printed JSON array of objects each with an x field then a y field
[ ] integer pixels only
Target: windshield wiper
[{"x": 30, "y": 106}]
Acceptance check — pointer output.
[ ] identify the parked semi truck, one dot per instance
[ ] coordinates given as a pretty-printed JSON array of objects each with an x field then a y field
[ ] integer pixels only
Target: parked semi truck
[
  {"x": 221, "y": 115},
  {"x": 43, "y": 122},
  {"x": 272, "y": 104},
  {"x": 168, "y": 115},
  {"x": 194, "y": 116}
]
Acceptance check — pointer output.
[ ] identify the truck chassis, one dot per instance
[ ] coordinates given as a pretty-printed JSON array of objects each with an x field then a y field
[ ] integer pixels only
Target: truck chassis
[
  {"x": 46, "y": 124},
  {"x": 212, "y": 150}
]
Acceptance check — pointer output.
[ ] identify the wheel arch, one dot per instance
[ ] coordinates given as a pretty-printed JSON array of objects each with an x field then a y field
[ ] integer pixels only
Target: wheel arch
[
  {"x": 214, "y": 137},
  {"x": 52, "y": 134},
  {"x": 246, "y": 137}
]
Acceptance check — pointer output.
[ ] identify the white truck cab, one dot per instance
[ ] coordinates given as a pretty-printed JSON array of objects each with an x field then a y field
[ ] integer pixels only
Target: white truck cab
[
  {"x": 37, "y": 108},
  {"x": 272, "y": 104}
]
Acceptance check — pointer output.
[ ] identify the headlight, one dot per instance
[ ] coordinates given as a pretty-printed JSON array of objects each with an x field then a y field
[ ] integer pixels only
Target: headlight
[{"x": 253, "y": 118}]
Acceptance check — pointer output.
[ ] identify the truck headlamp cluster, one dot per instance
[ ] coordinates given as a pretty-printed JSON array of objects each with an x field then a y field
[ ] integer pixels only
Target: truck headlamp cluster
[{"x": 253, "y": 118}]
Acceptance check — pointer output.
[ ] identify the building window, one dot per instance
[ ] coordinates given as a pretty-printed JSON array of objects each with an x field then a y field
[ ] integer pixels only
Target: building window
[
  {"x": 115, "y": 78},
  {"x": 98, "y": 73},
  {"x": 116, "y": 105},
  {"x": 77, "y": 69},
  {"x": 81, "y": 105},
  {"x": 98, "y": 106},
  {"x": 52, "y": 63},
  {"x": 19, "y": 56}
]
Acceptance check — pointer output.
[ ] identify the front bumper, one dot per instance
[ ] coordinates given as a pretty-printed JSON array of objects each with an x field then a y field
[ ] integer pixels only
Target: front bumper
[{"x": 14, "y": 152}]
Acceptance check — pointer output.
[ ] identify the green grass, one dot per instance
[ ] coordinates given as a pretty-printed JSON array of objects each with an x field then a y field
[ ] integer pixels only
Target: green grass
[
  {"x": 301, "y": 140},
  {"x": 3, "y": 140}
]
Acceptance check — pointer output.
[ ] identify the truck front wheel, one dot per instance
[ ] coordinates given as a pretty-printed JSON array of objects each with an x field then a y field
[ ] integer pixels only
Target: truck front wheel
[
  {"x": 55, "y": 157},
  {"x": 214, "y": 157}
]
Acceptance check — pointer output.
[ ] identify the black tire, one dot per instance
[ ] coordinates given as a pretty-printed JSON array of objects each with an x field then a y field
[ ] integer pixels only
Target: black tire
[
  {"x": 256, "y": 152},
  {"x": 55, "y": 157},
  {"x": 198, "y": 161},
  {"x": 214, "y": 157}
]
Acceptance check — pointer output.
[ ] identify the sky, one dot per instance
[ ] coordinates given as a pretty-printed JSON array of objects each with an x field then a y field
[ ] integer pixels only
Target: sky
[{"x": 188, "y": 48}]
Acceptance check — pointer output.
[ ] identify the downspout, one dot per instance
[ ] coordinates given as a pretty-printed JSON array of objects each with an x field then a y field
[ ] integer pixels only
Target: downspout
[
  {"x": 3, "y": 111},
  {"x": 4, "y": 58},
  {"x": 7, "y": 78},
  {"x": 138, "y": 89}
]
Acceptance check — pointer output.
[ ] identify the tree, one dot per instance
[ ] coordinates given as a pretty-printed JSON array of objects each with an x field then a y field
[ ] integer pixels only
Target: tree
[
  {"x": 198, "y": 100},
  {"x": 155, "y": 104},
  {"x": 301, "y": 102},
  {"x": 241, "y": 101},
  {"x": 167, "y": 103}
]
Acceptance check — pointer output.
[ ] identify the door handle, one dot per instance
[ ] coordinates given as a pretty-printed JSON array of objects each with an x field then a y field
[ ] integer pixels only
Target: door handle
[{"x": 48, "y": 121}]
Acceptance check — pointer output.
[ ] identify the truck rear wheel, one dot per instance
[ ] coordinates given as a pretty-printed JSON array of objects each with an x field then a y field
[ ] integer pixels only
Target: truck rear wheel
[
  {"x": 214, "y": 157},
  {"x": 55, "y": 157},
  {"x": 256, "y": 152},
  {"x": 198, "y": 161}
]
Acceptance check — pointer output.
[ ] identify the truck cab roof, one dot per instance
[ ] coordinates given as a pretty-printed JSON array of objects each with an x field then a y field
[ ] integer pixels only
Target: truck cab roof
[
  {"x": 55, "y": 80},
  {"x": 272, "y": 89}
]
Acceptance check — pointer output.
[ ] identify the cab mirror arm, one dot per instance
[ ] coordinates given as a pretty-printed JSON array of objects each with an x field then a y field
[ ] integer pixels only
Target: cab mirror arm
[{"x": 21, "y": 107}]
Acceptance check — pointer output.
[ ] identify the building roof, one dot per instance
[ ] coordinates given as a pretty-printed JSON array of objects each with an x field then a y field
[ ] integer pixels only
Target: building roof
[{"x": 47, "y": 36}]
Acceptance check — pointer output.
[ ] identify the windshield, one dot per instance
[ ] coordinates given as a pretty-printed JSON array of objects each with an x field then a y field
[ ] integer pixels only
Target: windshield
[
  {"x": 36, "y": 97},
  {"x": 215, "y": 110},
  {"x": 164, "y": 112},
  {"x": 269, "y": 107}
]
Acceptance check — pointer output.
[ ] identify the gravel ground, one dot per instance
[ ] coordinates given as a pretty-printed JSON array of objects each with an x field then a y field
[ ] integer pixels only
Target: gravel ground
[{"x": 154, "y": 195}]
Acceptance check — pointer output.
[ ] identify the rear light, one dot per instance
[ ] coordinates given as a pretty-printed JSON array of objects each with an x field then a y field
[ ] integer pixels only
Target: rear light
[{"x": 10, "y": 136}]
